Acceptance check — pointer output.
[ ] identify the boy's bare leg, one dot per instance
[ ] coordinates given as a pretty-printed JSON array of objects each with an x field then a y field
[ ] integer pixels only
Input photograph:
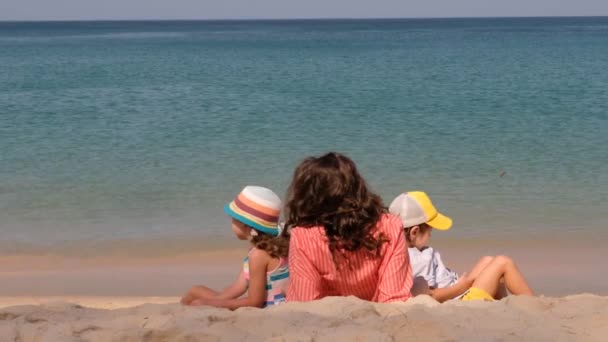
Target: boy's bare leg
[
  {"x": 479, "y": 266},
  {"x": 502, "y": 267},
  {"x": 502, "y": 290},
  {"x": 198, "y": 292}
]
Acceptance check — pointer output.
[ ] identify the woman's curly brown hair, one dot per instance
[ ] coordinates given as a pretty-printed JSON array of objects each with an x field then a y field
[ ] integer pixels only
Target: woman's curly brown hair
[
  {"x": 328, "y": 191},
  {"x": 275, "y": 246}
]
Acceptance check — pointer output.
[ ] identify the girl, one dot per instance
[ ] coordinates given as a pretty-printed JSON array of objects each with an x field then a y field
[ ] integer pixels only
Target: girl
[
  {"x": 264, "y": 276},
  {"x": 343, "y": 243},
  {"x": 487, "y": 279}
]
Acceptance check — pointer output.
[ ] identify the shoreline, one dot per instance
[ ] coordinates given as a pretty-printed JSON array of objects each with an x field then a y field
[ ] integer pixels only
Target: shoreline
[{"x": 200, "y": 245}]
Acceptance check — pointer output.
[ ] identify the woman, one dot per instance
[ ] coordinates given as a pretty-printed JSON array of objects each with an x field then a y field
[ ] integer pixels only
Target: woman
[{"x": 343, "y": 242}]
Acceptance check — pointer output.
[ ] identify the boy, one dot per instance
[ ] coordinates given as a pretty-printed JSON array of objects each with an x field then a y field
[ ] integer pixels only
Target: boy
[{"x": 485, "y": 281}]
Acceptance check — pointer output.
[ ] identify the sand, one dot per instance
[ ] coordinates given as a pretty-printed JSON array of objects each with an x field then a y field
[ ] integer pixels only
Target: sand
[
  {"x": 572, "y": 318},
  {"x": 118, "y": 298}
]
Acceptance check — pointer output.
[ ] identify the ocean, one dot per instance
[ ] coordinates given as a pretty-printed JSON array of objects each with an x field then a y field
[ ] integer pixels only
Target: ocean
[{"x": 137, "y": 133}]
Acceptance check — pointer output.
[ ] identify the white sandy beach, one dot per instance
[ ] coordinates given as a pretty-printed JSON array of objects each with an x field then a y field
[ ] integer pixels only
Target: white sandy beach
[{"x": 573, "y": 318}]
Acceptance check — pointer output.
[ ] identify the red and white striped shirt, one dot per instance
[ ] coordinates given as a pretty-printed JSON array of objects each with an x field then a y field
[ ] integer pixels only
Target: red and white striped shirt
[{"x": 313, "y": 274}]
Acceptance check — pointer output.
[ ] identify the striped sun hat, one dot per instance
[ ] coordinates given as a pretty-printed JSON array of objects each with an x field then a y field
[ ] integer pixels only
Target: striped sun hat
[{"x": 257, "y": 207}]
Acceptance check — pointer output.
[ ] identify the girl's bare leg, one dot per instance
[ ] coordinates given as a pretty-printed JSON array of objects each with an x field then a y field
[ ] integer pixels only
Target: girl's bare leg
[{"x": 502, "y": 267}]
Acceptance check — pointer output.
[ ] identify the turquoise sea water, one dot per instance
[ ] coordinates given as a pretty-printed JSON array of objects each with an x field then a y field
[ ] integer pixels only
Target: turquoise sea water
[{"x": 143, "y": 130}]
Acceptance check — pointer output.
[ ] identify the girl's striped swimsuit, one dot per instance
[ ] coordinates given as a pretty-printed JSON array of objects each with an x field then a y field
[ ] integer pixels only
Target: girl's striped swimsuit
[{"x": 276, "y": 282}]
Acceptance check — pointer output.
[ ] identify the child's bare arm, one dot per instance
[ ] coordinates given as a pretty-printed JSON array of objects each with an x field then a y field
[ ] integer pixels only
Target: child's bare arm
[
  {"x": 420, "y": 287},
  {"x": 258, "y": 265},
  {"x": 197, "y": 293},
  {"x": 443, "y": 294},
  {"x": 237, "y": 289}
]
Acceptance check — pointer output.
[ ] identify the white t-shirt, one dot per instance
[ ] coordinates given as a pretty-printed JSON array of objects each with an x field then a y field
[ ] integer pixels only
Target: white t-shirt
[{"x": 427, "y": 264}]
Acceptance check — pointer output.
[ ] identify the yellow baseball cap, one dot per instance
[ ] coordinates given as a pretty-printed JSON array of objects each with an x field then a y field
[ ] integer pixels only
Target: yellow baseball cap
[{"x": 415, "y": 208}]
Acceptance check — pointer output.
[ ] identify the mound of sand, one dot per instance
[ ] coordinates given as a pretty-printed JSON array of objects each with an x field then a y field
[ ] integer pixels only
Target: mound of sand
[{"x": 580, "y": 317}]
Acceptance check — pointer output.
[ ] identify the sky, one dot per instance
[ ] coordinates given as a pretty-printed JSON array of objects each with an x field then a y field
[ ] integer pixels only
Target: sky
[{"x": 274, "y": 9}]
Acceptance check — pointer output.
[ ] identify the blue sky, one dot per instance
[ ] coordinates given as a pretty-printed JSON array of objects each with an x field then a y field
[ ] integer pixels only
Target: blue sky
[{"x": 238, "y": 9}]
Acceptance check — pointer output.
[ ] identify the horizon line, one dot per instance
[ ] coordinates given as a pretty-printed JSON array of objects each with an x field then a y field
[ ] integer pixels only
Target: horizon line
[{"x": 302, "y": 18}]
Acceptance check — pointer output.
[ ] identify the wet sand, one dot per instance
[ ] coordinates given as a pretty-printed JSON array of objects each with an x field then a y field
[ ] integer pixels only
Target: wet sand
[{"x": 553, "y": 268}]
